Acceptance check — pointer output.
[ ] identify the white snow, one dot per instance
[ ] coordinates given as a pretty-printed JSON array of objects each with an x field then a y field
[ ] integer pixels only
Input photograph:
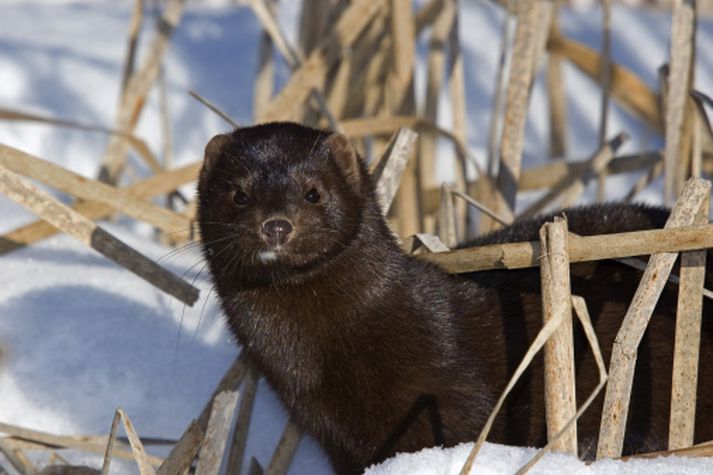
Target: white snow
[{"x": 80, "y": 336}]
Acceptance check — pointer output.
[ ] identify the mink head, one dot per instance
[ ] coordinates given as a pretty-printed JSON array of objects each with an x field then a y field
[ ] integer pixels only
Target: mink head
[{"x": 279, "y": 198}]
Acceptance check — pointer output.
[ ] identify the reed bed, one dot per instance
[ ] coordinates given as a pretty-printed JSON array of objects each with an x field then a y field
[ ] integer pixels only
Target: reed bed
[{"x": 353, "y": 71}]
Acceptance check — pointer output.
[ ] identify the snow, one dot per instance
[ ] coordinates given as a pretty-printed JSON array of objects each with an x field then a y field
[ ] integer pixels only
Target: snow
[
  {"x": 80, "y": 336},
  {"x": 495, "y": 459}
]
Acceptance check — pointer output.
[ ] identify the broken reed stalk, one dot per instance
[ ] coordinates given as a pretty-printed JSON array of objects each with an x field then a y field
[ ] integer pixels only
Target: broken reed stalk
[
  {"x": 155, "y": 185},
  {"x": 137, "y": 17},
  {"x": 264, "y": 83},
  {"x": 522, "y": 71},
  {"x": 240, "y": 433},
  {"x": 543, "y": 335},
  {"x": 90, "y": 190},
  {"x": 312, "y": 73},
  {"x": 183, "y": 452},
  {"x": 447, "y": 231},
  {"x": 137, "y": 448},
  {"x": 17, "y": 462},
  {"x": 626, "y": 87},
  {"x": 496, "y": 110},
  {"x": 581, "y": 249},
  {"x": 605, "y": 82},
  {"x": 572, "y": 186},
  {"x": 679, "y": 83},
  {"x": 36, "y": 440},
  {"x": 137, "y": 90},
  {"x": 23, "y": 192},
  {"x": 560, "y": 395},
  {"x": 549, "y": 174},
  {"x": 684, "y": 381},
  {"x": 436, "y": 67},
  {"x": 456, "y": 88},
  {"x": 285, "y": 450},
  {"x": 556, "y": 94},
  {"x": 582, "y": 313},
  {"x": 391, "y": 166},
  {"x": 624, "y": 350},
  {"x": 291, "y": 55},
  {"x": 217, "y": 432}
]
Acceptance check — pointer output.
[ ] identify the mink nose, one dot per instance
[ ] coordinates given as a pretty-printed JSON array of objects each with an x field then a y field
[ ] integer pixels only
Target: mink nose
[{"x": 277, "y": 231}]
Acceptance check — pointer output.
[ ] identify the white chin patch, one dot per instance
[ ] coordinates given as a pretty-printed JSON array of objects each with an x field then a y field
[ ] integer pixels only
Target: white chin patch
[{"x": 267, "y": 256}]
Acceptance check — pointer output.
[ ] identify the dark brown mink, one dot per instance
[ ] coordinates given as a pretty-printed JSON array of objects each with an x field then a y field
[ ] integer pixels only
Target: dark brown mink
[{"x": 375, "y": 352}]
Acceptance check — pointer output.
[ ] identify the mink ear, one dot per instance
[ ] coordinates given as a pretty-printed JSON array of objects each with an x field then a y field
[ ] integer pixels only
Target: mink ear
[
  {"x": 345, "y": 157},
  {"x": 213, "y": 149}
]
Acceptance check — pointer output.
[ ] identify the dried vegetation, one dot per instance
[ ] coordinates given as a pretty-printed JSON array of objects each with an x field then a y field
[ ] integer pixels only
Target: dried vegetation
[{"x": 353, "y": 71}]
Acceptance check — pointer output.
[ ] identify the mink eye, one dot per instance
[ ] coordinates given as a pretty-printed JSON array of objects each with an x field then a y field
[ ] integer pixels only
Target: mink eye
[
  {"x": 312, "y": 195},
  {"x": 240, "y": 198}
]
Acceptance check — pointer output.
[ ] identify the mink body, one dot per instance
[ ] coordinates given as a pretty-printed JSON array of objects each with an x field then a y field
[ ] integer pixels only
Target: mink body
[{"x": 375, "y": 352}]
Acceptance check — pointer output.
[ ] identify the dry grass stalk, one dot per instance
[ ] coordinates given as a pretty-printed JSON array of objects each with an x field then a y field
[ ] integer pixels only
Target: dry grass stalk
[
  {"x": 398, "y": 98},
  {"x": 626, "y": 87},
  {"x": 390, "y": 168},
  {"x": 285, "y": 450},
  {"x": 216, "y": 434},
  {"x": 447, "y": 231},
  {"x": 581, "y": 249},
  {"x": 181, "y": 456},
  {"x": 623, "y": 360},
  {"x": 518, "y": 92},
  {"x": 19, "y": 437},
  {"x": 699, "y": 450},
  {"x": 481, "y": 207},
  {"x": 572, "y": 186},
  {"x": 436, "y": 68},
  {"x": 137, "y": 89},
  {"x": 703, "y": 133},
  {"x": 402, "y": 30},
  {"x": 556, "y": 93},
  {"x": 137, "y": 17},
  {"x": 546, "y": 176},
  {"x": 90, "y": 190},
  {"x": 655, "y": 170},
  {"x": 456, "y": 88},
  {"x": 292, "y": 56},
  {"x": 582, "y": 313},
  {"x": 389, "y": 124},
  {"x": 14, "y": 115},
  {"x": 560, "y": 395},
  {"x": 502, "y": 72},
  {"x": 16, "y": 460},
  {"x": 605, "y": 81},
  {"x": 264, "y": 83},
  {"x": 138, "y": 144},
  {"x": 137, "y": 448},
  {"x": 684, "y": 381},
  {"x": 214, "y": 108},
  {"x": 240, "y": 433},
  {"x": 312, "y": 73},
  {"x": 426, "y": 15},
  {"x": 423, "y": 242},
  {"x": 153, "y": 186},
  {"x": 681, "y": 64},
  {"x": 544, "y": 334},
  {"x": 81, "y": 228},
  {"x": 230, "y": 381}
]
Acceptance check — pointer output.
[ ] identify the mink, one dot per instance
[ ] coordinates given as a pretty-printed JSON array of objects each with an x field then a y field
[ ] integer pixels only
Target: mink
[{"x": 375, "y": 352}]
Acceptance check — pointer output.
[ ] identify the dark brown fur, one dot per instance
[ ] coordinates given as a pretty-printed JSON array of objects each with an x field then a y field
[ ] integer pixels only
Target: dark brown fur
[{"x": 374, "y": 352}]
